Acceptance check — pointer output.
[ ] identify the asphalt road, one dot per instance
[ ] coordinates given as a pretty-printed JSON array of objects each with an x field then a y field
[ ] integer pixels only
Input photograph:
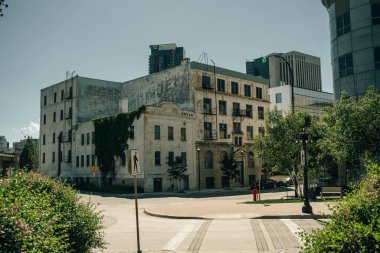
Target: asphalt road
[{"x": 193, "y": 235}]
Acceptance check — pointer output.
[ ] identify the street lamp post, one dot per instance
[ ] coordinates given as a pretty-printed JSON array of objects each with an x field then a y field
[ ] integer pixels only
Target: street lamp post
[
  {"x": 199, "y": 169},
  {"x": 306, "y": 208}
]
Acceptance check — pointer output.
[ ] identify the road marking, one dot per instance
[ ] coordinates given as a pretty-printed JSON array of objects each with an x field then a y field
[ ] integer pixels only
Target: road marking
[
  {"x": 173, "y": 244},
  {"x": 258, "y": 236},
  {"x": 198, "y": 239},
  {"x": 294, "y": 228},
  {"x": 266, "y": 236}
]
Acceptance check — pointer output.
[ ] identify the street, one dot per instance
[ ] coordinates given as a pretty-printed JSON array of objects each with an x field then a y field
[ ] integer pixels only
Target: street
[{"x": 225, "y": 234}]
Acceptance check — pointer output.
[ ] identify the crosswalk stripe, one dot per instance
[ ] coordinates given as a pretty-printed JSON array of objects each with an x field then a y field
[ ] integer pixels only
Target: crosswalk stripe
[
  {"x": 266, "y": 236},
  {"x": 173, "y": 244},
  {"x": 294, "y": 228}
]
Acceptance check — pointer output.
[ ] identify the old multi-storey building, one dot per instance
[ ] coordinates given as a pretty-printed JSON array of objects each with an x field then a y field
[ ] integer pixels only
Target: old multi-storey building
[{"x": 194, "y": 110}]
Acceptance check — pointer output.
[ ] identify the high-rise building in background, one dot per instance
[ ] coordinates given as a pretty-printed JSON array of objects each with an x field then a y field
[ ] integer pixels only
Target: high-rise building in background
[
  {"x": 165, "y": 56},
  {"x": 306, "y": 70},
  {"x": 4, "y": 145},
  {"x": 355, "y": 45}
]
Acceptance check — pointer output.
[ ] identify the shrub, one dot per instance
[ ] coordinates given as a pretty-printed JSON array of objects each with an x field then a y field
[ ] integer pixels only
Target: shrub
[
  {"x": 38, "y": 214},
  {"x": 355, "y": 223}
]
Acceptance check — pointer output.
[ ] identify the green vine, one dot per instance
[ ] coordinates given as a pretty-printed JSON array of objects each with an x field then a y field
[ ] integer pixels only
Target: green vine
[{"x": 111, "y": 139}]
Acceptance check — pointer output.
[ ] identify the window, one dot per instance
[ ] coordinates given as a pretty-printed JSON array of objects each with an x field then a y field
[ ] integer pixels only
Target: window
[
  {"x": 251, "y": 160},
  {"x": 55, "y": 97},
  {"x": 375, "y": 11},
  {"x": 259, "y": 93},
  {"x": 82, "y": 160},
  {"x": 221, "y": 85},
  {"x": 43, "y": 157},
  {"x": 208, "y": 130},
  {"x": 157, "y": 132},
  {"x": 183, "y": 134},
  {"x": 376, "y": 56},
  {"x": 43, "y": 139},
  {"x": 44, "y": 100},
  {"x": 249, "y": 132},
  {"x": 77, "y": 162},
  {"x": 62, "y": 93},
  {"x": 260, "y": 111},
  {"x": 44, "y": 119},
  {"x": 248, "y": 111},
  {"x": 157, "y": 158},
  {"x": 53, "y": 157},
  {"x": 69, "y": 156},
  {"x": 82, "y": 139},
  {"x": 61, "y": 116},
  {"x": 222, "y": 131},
  {"x": 247, "y": 90},
  {"x": 238, "y": 141},
  {"x": 222, "y": 107},
  {"x": 93, "y": 137},
  {"x": 171, "y": 156},
  {"x": 346, "y": 67},
  {"x": 237, "y": 128},
  {"x": 235, "y": 109},
  {"x": 234, "y": 88},
  {"x": 54, "y": 116},
  {"x": 206, "y": 82},
  {"x": 343, "y": 24},
  {"x": 207, "y": 107},
  {"x": 184, "y": 158},
  {"x": 209, "y": 160},
  {"x": 131, "y": 132},
  {"x": 262, "y": 131},
  {"x": 88, "y": 160},
  {"x": 88, "y": 138},
  {"x": 93, "y": 159},
  {"x": 278, "y": 98},
  {"x": 170, "y": 134},
  {"x": 53, "y": 138}
]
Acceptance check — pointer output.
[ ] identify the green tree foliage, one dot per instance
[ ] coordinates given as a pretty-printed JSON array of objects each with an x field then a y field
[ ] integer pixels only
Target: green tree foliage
[
  {"x": 38, "y": 214},
  {"x": 177, "y": 169},
  {"x": 229, "y": 167},
  {"x": 352, "y": 127},
  {"x": 3, "y": 3},
  {"x": 29, "y": 157},
  {"x": 111, "y": 138},
  {"x": 355, "y": 223},
  {"x": 278, "y": 149}
]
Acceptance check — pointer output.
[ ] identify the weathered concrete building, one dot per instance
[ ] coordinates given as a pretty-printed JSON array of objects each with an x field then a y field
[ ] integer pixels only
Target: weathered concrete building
[{"x": 217, "y": 110}]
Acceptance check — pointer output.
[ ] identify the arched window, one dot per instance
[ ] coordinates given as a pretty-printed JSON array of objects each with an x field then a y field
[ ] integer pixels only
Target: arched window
[
  {"x": 209, "y": 160},
  {"x": 251, "y": 160}
]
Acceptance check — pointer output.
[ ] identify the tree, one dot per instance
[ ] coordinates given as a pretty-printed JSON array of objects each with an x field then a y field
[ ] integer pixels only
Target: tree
[
  {"x": 278, "y": 149},
  {"x": 354, "y": 224},
  {"x": 29, "y": 157},
  {"x": 229, "y": 167},
  {"x": 352, "y": 128},
  {"x": 177, "y": 169},
  {"x": 2, "y": 3}
]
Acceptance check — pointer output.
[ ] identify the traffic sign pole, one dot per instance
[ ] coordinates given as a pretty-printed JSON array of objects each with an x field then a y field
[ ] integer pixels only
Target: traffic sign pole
[{"x": 137, "y": 216}]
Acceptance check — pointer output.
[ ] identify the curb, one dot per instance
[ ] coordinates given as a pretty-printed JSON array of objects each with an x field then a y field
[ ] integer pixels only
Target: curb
[{"x": 296, "y": 216}]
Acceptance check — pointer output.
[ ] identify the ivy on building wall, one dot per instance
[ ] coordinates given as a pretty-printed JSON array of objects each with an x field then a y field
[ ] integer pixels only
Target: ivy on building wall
[{"x": 111, "y": 139}]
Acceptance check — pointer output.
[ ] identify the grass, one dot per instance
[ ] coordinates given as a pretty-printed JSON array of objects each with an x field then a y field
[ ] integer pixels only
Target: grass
[{"x": 290, "y": 200}]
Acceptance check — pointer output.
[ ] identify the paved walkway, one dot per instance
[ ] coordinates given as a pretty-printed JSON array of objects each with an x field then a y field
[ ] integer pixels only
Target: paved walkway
[{"x": 235, "y": 209}]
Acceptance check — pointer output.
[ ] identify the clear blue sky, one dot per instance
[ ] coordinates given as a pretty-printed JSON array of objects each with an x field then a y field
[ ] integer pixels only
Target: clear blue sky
[{"x": 41, "y": 39}]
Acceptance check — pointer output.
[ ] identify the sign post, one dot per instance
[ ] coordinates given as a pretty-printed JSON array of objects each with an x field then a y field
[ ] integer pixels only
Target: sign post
[{"x": 135, "y": 166}]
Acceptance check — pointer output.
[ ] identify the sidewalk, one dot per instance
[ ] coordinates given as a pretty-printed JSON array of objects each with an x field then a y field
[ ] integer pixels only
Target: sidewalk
[{"x": 235, "y": 209}]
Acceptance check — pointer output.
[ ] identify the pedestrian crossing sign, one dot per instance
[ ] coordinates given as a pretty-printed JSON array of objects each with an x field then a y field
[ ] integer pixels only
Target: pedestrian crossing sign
[{"x": 135, "y": 162}]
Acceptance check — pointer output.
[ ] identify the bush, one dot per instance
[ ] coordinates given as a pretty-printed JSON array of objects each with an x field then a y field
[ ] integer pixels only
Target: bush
[
  {"x": 38, "y": 214},
  {"x": 355, "y": 223}
]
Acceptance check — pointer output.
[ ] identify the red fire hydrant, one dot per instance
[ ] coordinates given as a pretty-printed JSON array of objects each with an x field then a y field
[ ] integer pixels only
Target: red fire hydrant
[{"x": 254, "y": 193}]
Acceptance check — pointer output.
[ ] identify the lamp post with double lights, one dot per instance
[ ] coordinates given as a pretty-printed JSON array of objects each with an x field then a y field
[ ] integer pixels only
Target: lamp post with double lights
[{"x": 303, "y": 137}]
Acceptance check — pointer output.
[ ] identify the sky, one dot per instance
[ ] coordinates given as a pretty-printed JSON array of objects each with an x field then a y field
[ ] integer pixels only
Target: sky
[{"x": 42, "y": 39}]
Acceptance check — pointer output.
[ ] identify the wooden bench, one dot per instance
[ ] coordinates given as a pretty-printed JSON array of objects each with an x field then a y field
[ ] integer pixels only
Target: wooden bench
[{"x": 332, "y": 190}]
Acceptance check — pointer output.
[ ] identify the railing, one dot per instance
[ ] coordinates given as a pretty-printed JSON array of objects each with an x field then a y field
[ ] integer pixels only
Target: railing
[{"x": 239, "y": 112}]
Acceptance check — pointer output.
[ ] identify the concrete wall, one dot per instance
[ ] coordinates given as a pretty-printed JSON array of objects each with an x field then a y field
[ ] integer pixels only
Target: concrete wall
[{"x": 170, "y": 85}]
